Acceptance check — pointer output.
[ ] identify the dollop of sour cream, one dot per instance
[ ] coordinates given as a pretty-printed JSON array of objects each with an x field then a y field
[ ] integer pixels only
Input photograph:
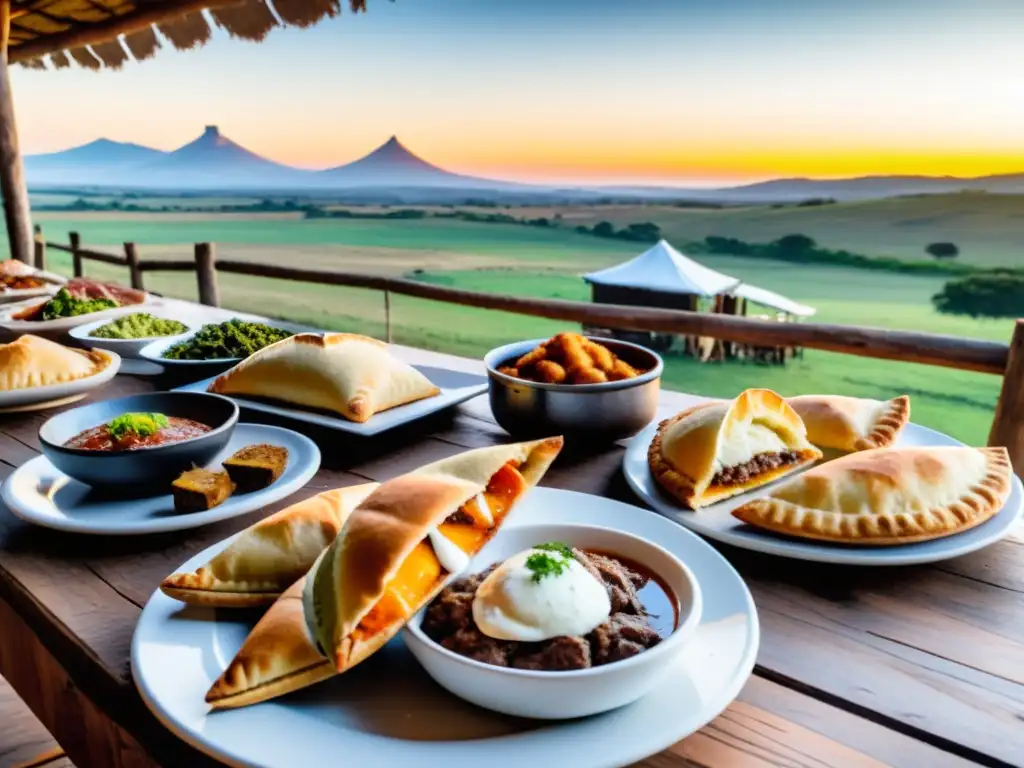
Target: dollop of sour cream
[
  {"x": 451, "y": 557},
  {"x": 512, "y": 604}
]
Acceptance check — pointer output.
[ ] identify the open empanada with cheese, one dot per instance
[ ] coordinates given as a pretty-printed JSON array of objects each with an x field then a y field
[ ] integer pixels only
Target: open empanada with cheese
[
  {"x": 354, "y": 376},
  {"x": 399, "y": 548},
  {"x": 851, "y": 423},
  {"x": 31, "y": 361},
  {"x": 888, "y": 496},
  {"x": 720, "y": 449},
  {"x": 268, "y": 557}
]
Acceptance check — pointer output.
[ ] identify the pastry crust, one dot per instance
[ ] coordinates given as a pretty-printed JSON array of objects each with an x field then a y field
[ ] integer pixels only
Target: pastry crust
[
  {"x": 691, "y": 447},
  {"x": 351, "y": 576},
  {"x": 345, "y": 373},
  {"x": 888, "y": 496},
  {"x": 270, "y": 556},
  {"x": 851, "y": 423},
  {"x": 31, "y": 361}
]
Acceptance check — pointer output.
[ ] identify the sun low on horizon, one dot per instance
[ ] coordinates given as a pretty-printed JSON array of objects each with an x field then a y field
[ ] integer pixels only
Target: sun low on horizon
[{"x": 654, "y": 91}]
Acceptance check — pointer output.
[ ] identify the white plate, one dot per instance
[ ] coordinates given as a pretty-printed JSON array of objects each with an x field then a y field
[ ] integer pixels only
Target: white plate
[
  {"x": 40, "y": 493},
  {"x": 716, "y": 522},
  {"x": 20, "y": 294},
  {"x": 42, "y": 396},
  {"x": 387, "y": 711},
  {"x": 127, "y": 348},
  {"x": 154, "y": 351},
  {"x": 456, "y": 387},
  {"x": 64, "y": 324}
]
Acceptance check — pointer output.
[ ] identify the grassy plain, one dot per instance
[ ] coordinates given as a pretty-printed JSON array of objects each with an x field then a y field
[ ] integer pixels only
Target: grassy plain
[{"x": 540, "y": 262}]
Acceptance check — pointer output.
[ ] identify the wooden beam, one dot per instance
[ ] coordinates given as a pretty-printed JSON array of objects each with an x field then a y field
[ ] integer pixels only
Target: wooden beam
[
  {"x": 76, "y": 257},
  {"x": 12, "y": 171},
  {"x": 1008, "y": 425},
  {"x": 146, "y": 15},
  {"x": 131, "y": 254},
  {"x": 206, "y": 274}
]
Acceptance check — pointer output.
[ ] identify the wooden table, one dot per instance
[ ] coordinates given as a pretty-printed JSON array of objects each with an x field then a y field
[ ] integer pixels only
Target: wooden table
[{"x": 919, "y": 667}]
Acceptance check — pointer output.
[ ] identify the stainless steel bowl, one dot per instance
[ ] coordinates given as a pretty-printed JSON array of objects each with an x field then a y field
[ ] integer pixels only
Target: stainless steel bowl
[{"x": 594, "y": 412}]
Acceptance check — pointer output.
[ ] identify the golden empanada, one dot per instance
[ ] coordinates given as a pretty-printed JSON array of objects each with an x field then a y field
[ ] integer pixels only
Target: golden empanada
[
  {"x": 851, "y": 423},
  {"x": 396, "y": 552},
  {"x": 31, "y": 361},
  {"x": 352, "y": 375},
  {"x": 888, "y": 496},
  {"x": 270, "y": 556},
  {"x": 720, "y": 449}
]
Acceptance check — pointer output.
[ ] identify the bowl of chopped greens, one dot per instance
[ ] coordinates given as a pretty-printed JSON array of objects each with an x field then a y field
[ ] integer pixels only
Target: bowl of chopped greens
[
  {"x": 215, "y": 345},
  {"x": 129, "y": 334}
]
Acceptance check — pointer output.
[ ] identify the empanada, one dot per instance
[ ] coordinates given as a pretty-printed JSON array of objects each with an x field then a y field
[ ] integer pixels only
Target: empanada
[
  {"x": 720, "y": 449},
  {"x": 271, "y": 555},
  {"x": 851, "y": 423},
  {"x": 345, "y": 373},
  {"x": 396, "y": 552},
  {"x": 888, "y": 496},
  {"x": 31, "y": 361}
]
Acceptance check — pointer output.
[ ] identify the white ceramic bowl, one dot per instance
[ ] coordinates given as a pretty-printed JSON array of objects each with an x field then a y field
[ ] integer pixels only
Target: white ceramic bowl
[
  {"x": 126, "y": 348},
  {"x": 575, "y": 693}
]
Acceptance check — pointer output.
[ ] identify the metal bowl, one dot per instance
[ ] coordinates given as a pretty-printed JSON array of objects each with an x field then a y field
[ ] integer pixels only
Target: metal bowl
[{"x": 593, "y": 412}]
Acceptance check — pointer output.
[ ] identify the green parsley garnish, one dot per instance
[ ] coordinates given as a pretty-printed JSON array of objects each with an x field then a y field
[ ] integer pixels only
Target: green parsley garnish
[
  {"x": 63, "y": 304},
  {"x": 554, "y": 564},
  {"x": 142, "y": 424}
]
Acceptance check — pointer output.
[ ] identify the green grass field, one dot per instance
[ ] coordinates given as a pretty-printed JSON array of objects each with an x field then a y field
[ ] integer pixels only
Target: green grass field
[{"x": 532, "y": 261}]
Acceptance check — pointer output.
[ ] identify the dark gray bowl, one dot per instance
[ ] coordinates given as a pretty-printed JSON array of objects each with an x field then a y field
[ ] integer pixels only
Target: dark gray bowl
[
  {"x": 581, "y": 412},
  {"x": 149, "y": 470}
]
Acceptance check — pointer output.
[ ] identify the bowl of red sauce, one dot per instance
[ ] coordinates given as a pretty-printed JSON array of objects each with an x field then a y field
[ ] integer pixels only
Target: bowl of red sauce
[{"x": 139, "y": 443}]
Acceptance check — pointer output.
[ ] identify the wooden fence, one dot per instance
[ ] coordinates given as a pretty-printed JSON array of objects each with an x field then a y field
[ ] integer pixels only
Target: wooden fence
[{"x": 907, "y": 346}]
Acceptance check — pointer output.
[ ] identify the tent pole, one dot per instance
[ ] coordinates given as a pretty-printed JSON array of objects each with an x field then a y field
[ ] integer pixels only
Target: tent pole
[{"x": 12, "y": 172}]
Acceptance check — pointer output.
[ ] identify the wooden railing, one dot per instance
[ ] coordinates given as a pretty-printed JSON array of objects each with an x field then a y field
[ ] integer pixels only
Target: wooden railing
[{"x": 907, "y": 346}]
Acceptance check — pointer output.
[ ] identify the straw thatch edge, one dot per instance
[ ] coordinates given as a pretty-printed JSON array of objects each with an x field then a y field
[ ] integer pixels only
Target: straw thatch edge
[{"x": 100, "y": 45}]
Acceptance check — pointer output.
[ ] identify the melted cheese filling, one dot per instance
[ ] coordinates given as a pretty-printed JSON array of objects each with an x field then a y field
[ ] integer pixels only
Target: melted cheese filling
[
  {"x": 438, "y": 555},
  {"x": 739, "y": 448}
]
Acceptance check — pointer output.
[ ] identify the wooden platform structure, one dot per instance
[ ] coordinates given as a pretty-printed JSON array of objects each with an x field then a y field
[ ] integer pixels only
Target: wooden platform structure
[{"x": 663, "y": 277}]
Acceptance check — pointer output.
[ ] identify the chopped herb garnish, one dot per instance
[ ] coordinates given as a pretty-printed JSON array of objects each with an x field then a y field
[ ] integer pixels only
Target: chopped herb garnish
[
  {"x": 552, "y": 560},
  {"x": 142, "y": 424}
]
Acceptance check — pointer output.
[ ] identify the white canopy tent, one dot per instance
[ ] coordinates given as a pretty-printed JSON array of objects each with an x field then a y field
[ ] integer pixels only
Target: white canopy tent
[{"x": 773, "y": 300}]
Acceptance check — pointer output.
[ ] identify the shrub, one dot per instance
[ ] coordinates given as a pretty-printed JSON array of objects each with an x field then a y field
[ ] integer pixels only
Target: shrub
[
  {"x": 999, "y": 293},
  {"x": 943, "y": 250}
]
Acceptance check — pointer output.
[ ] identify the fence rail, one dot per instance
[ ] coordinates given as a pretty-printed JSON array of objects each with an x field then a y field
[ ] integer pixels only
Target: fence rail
[{"x": 907, "y": 346}]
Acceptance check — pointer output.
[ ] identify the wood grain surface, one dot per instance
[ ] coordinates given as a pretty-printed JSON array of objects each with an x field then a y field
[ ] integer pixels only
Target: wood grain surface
[{"x": 917, "y": 666}]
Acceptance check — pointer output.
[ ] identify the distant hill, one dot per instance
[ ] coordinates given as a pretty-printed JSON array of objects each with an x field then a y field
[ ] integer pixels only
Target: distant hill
[
  {"x": 88, "y": 163},
  {"x": 872, "y": 187}
]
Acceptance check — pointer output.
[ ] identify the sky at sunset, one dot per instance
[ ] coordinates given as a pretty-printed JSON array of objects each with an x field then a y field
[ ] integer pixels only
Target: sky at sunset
[{"x": 647, "y": 91}]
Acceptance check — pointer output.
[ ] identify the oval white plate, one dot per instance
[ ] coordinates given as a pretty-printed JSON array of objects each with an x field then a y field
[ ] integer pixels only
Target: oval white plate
[
  {"x": 154, "y": 351},
  {"x": 387, "y": 711},
  {"x": 39, "y": 493},
  {"x": 63, "y": 324},
  {"x": 127, "y": 348},
  {"x": 716, "y": 522},
  {"x": 24, "y": 399}
]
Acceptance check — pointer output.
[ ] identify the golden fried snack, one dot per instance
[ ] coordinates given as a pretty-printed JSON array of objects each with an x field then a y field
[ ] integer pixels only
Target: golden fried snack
[
  {"x": 532, "y": 357},
  {"x": 550, "y": 372},
  {"x": 588, "y": 375},
  {"x": 509, "y": 370},
  {"x": 601, "y": 357},
  {"x": 622, "y": 370}
]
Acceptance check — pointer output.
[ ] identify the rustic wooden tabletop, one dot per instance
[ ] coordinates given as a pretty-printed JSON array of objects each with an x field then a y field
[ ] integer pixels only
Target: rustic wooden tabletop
[{"x": 916, "y": 666}]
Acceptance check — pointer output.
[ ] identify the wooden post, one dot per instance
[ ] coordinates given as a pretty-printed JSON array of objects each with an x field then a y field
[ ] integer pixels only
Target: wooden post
[
  {"x": 131, "y": 252},
  {"x": 76, "y": 257},
  {"x": 12, "y": 171},
  {"x": 1008, "y": 426},
  {"x": 387, "y": 315},
  {"x": 206, "y": 274}
]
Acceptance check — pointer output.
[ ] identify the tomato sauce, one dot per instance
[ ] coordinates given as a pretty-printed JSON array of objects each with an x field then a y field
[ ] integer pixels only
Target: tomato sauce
[{"x": 100, "y": 439}]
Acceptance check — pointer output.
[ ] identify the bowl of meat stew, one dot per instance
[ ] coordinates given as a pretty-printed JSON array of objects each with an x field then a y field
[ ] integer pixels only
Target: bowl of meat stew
[
  {"x": 139, "y": 444},
  {"x": 558, "y": 621}
]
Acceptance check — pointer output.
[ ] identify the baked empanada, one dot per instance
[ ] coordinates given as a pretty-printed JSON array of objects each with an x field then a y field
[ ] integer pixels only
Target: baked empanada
[
  {"x": 31, "y": 361},
  {"x": 888, "y": 496},
  {"x": 271, "y": 555},
  {"x": 720, "y": 449},
  {"x": 396, "y": 552},
  {"x": 851, "y": 423},
  {"x": 345, "y": 373}
]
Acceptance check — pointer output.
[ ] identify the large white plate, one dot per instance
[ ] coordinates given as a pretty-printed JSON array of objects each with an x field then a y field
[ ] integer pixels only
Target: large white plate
[
  {"x": 64, "y": 324},
  {"x": 716, "y": 522},
  {"x": 456, "y": 387},
  {"x": 40, "y": 493},
  {"x": 387, "y": 711},
  {"x": 23, "y": 399}
]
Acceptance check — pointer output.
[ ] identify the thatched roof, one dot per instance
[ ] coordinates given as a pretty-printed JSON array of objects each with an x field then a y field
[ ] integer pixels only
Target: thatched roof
[{"x": 107, "y": 33}]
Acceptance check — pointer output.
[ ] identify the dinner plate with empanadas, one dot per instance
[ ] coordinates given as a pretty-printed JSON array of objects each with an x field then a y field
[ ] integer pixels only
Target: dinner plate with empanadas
[
  {"x": 825, "y": 478},
  {"x": 38, "y": 373},
  {"x": 341, "y": 381},
  {"x": 325, "y": 671}
]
